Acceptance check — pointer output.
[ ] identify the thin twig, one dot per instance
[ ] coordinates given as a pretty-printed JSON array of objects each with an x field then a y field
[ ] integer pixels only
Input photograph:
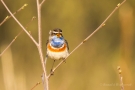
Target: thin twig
[
  {"x": 35, "y": 85},
  {"x": 121, "y": 78},
  {"x": 19, "y": 23},
  {"x": 45, "y": 79},
  {"x": 7, "y": 17},
  {"x": 33, "y": 18},
  {"x": 102, "y": 24},
  {"x": 42, "y": 2},
  {"x": 16, "y": 37},
  {"x": 10, "y": 43}
]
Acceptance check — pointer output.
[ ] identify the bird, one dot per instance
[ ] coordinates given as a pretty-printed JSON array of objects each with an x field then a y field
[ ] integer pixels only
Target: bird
[{"x": 57, "y": 46}]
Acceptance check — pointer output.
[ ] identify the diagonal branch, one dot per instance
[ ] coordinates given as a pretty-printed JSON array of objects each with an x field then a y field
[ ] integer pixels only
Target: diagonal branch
[
  {"x": 19, "y": 23},
  {"x": 102, "y": 24},
  {"x": 15, "y": 38},
  {"x": 42, "y": 2},
  {"x": 35, "y": 85},
  {"x": 8, "y": 17},
  {"x": 10, "y": 43}
]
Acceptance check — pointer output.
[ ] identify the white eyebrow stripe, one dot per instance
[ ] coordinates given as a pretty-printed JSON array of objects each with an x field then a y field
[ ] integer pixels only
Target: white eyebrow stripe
[{"x": 56, "y": 32}]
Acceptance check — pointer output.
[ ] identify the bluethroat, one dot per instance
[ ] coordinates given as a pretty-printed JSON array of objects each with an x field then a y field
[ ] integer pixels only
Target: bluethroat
[{"x": 57, "y": 46}]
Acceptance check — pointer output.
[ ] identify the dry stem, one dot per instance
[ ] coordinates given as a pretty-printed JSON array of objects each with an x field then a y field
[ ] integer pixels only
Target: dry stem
[
  {"x": 102, "y": 24},
  {"x": 8, "y": 17},
  {"x": 42, "y": 2},
  {"x": 121, "y": 78},
  {"x": 45, "y": 79},
  {"x": 15, "y": 38},
  {"x": 19, "y": 23},
  {"x": 10, "y": 43},
  {"x": 35, "y": 85}
]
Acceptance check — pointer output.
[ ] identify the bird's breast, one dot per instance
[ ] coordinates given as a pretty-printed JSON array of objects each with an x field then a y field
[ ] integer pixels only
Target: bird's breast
[{"x": 53, "y": 49}]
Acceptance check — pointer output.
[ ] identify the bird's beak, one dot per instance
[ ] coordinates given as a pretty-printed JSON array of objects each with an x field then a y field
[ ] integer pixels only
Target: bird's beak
[{"x": 58, "y": 35}]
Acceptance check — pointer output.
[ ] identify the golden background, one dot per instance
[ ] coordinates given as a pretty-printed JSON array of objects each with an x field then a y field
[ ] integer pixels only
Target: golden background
[{"x": 91, "y": 67}]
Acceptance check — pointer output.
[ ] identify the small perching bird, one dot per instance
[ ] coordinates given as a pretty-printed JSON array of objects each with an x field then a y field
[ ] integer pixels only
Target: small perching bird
[{"x": 57, "y": 46}]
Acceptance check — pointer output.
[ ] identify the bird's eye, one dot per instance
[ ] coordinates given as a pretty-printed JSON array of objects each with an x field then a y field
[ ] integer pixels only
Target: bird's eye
[{"x": 53, "y": 34}]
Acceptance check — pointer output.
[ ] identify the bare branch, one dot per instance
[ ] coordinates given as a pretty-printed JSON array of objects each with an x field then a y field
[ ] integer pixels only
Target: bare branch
[
  {"x": 19, "y": 23},
  {"x": 39, "y": 24},
  {"x": 11, "y": 43},
  {"x": 33, "y": 18},
  {"x": 16, "y": 37},
  {"x": 35, "y": 85},
  {"x": 42, "y": 2},
  {"x": 121, "y": 78},
  {"x": 102, "y": 24},
  {"x": 45, "y": 79},
  {"x": 7, "y": 17}
]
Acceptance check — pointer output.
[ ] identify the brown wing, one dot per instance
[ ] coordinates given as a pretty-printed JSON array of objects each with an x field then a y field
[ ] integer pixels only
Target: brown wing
[
  {"x": 67, "y": 44},
  {"x": 47, "y": 42}
]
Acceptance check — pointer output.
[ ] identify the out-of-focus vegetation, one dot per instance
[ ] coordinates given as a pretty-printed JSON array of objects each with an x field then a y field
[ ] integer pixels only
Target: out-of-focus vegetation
[{"x": 92, "y": 67}]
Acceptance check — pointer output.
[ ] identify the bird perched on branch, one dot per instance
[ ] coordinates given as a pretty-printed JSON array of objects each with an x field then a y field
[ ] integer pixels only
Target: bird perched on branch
[{"x": 57, "y": 46}]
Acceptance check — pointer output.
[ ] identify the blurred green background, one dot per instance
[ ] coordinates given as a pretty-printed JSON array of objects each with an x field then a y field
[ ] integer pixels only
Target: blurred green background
[{"x": 91, "y": 67}]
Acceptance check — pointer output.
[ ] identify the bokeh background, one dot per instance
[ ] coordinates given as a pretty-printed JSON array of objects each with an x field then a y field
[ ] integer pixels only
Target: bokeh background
[{"x": 91, "y": 67}]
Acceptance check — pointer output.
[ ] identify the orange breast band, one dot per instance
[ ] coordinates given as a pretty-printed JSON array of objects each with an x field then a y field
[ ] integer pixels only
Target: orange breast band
[{"x": 56, "y": 49}]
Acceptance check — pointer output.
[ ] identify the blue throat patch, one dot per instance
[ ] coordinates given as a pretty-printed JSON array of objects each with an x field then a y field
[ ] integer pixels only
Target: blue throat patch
[{"x": 57, "y": 42}]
